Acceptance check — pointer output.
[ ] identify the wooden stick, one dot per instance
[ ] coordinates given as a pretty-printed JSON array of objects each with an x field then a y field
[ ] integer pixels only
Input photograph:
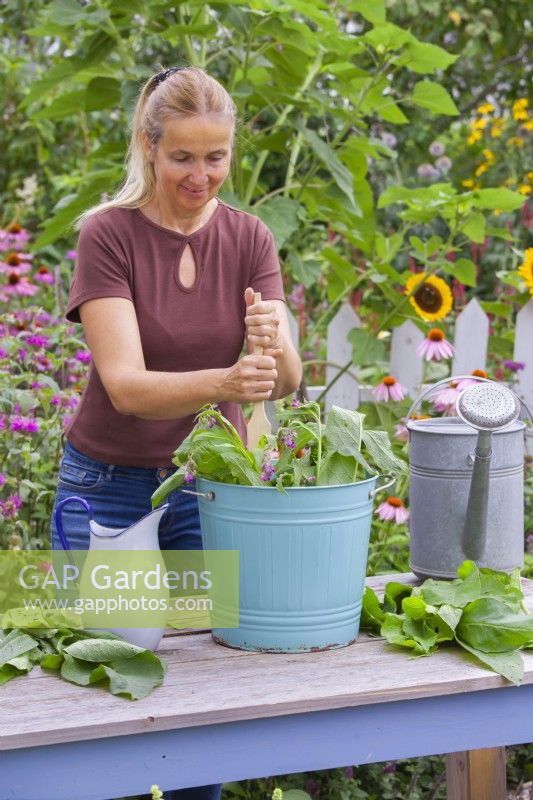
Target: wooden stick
[{"x": 259, "y": 423}]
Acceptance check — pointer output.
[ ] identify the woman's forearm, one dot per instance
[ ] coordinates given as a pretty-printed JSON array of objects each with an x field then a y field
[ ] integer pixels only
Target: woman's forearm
[{"x": 165, "y": 395}]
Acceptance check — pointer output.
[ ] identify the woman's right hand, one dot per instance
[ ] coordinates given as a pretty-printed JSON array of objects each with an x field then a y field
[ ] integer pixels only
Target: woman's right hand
[{"x": 251, "y": 379}]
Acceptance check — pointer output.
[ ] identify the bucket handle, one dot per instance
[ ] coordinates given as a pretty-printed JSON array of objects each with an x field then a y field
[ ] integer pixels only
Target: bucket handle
[
  {"x": 458, "y": 378},
  {"x": 390, "y": 481},
  {"x": 207, "y": 495}
]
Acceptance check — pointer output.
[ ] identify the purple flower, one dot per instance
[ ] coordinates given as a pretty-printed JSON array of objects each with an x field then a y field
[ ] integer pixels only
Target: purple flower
[
  {"x": 436, "y": 149},
  {"x": 22, "y": 354},
  {"x": 71, "y": 254},
  {"x": 2, "y": 479},
  {"x": 190, "y": 472},
  {"x": 389, "y": 139},
  {"x": 297, "y": 296},
  {"x": 42, "y": 318},
  {"x": 38, "y": 385},
  {"x": 84, "y": 356},
  {"x": 295, "y": 403},
  {"x": 56, "y": 400},
  {"x": 72, "y": 402},
  {"x": 3, "y": 353},
  {"x": 9, "y": 507},
  {"x": 268, "y": 472},
  {"x": 435, "y": 346},
  {"x": 37, "y": 340},
  {"x": 514, "y": 366},
  {"x": 311, "y": 478},
  {"x": 289, "y": 439},
  {"x": 444, "y": 163},
  {"x": 19, "y": 424},
  {"x": 390, "y": 766},
  {"x": 427, "y": 171},
  {"x": 393, "y": 509},
  {"x": 42, "y": 362}
]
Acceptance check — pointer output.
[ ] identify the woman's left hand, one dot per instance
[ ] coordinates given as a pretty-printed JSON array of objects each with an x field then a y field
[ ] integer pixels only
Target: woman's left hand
[{"x": 262, "y": 324}]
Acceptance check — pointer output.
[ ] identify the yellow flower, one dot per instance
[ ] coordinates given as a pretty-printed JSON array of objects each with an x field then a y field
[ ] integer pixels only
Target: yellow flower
[
  {"x": 524, "y": 189},
  {"x": 527, "y": 126},
  {"x": 430, "y": 296},
  {"x": 474, "y": 137},
  {"x": 479, "y": 124},
  {"x": 526, "y": 269},
  {"x": 519, "y": 108},
  {"x": 481, "y": 169},
  {"x": 468, "y": 182},
  {"x": 455, "y": 17},
  {"x": 529, "y": 177},
  {"x": 516, "y": 140},
  {"x": 277, "y": 794},
  {"x": 485, "y": 108},
  {"x": 488, "y": 154}
]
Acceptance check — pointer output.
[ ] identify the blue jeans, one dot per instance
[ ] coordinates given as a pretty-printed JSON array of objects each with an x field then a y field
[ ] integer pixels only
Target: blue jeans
[{"x": 120, "y": 496}]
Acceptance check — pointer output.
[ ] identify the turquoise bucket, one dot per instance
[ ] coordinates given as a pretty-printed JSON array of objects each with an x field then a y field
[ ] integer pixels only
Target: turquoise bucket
[{"x": 302, "y": 559}]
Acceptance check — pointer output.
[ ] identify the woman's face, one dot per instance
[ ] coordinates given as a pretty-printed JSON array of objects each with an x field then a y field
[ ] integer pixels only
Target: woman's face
[{"x": 192, "y": 160}]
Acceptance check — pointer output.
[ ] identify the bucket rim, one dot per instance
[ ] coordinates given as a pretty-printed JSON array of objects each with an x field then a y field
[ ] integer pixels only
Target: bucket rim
[
  {"x": 460, "y": 428},
  {"x": 292, "y": 488}
]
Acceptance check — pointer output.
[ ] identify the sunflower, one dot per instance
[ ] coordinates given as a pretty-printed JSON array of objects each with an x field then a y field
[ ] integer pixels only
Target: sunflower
[
  {"x": 430, "y": 297},
  {"x": 526, "y": 269}
]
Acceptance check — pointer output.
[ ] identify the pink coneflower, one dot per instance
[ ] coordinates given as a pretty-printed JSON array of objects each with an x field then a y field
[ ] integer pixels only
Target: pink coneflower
[
  {"x": 393, "y": 509},
  {"x": 465, "y": 382},
  {"x": 401, "y": 433},
  {"x": 44, "y": 276},
  {"x": 14, "y": 235},
  {"x": 16, "y": 262},
  {"x": 435, "y": 346},
  {"x": 389, "y": 389},
  {"x": 445, "y": 400},
  {"x": 20, "y": 285},
  {"x": 42, "y": 318}
]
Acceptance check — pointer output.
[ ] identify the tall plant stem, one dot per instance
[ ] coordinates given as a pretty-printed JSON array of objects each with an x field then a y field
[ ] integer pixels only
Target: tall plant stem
[{"x": 263, "y": 155}]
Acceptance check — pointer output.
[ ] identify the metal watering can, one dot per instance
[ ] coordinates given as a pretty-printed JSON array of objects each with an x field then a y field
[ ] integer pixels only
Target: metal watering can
[
  {"x": 467, "y": 482},
  {"x": 142, "y": 535}
]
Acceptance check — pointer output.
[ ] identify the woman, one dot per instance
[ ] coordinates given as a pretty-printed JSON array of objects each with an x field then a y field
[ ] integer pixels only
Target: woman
[{"x": 163, "y": 285}]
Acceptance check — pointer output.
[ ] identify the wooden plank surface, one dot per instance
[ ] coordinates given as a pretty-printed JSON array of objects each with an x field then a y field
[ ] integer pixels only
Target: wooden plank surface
[{"x": 207, "y": 684}]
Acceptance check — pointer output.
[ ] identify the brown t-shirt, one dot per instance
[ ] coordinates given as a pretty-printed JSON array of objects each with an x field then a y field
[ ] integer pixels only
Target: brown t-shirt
[{"x": 121, "y": 253}]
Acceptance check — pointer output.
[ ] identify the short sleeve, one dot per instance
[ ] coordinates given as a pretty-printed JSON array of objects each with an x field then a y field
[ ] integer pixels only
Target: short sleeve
[
  {"x": 265, "y": 276},
  {"x": 101, "y": 269}
]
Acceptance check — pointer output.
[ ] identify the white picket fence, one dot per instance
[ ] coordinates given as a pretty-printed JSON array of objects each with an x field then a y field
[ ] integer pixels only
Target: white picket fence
[{"x": 470, "y": 342}]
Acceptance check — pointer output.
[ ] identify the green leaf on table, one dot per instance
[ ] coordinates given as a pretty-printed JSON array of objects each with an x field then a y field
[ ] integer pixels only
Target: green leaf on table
[
  {"x": 491, "y": 626},
  {"x": 434, "y": 97},
  {"x": 509, "y": 664},
  {"x": 450, "y": 615},
  {"x": 14, "y": 644},
  {"x": 52, "y": 661},
  {"x": 101, "y": 650},
  {"x": 422, "y": 633},
  {"x": 135, "y": 677},
  {"x": 395, "y": 592},
  {"x": 372, "y": 614},
  {"x": 414, "y": 607}
]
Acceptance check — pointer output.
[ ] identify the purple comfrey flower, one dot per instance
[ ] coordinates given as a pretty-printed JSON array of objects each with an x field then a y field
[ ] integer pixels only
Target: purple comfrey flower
[
  {"x": 56, "y": 400},
  {"x": 289, "y": 439},
  {"x": 514, "y": 366},
  {"x": 295, "y": 403},
  {"x": 210, "y": 421},
  {"x": 268, "y": 472},
  {"x": 37, "y": 340},
  {"x": 436, "y": 149},
  {"x": 84, "y": 356},
  {"x": 311, "y": 479},
  {"x": 9, "y": 507},
  {"x": 38, "y": 385}
]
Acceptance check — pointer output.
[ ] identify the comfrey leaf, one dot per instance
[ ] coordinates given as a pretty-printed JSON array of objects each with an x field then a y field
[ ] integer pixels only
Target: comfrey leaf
[
  {"x": 379, "y": 449},
  {"x": 343, "y": 431},
  {"x": 372, "y": 615},
  {"x": 491, "y": 626},
  {"x": 509, "y": 664}
]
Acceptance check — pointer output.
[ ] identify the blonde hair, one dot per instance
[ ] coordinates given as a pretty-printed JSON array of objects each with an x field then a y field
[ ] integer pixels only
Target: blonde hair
[{"x": 188, "y": 91}]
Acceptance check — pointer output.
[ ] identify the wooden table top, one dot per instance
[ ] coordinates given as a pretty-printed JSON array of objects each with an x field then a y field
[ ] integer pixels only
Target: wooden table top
[{"x": 207, "y": 683}]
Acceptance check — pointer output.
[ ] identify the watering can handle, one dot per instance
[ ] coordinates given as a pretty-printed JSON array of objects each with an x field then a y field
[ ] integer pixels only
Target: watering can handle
[
  {"x": 57, "y": 517},
  {"x": 391, "y": 480},
  {"x": 459, "y": 378}
]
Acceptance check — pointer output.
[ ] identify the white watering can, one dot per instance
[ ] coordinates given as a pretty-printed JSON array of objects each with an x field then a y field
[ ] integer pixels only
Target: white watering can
[{"x": 142, "y": 535}]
